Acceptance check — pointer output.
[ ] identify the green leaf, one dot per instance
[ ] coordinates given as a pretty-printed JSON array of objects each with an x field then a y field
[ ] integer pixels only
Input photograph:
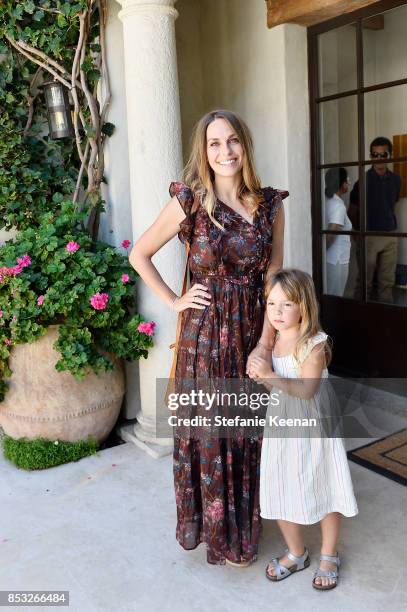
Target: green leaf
[
  {"x": 90, "y": 131},
  {"x": 17, "y": 12},
  {"x": 29, "y": 6},
  {"x": 108, "y": 129},
  {"x": 61, "y": 21},
  {"x": 57, "y": 197},
  {"x": 66, "y": 8},
  {"x": 38, "y": 15}
]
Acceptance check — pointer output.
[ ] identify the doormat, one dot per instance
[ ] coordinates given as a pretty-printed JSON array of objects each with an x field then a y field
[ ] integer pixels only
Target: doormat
[{"x": 387, "y": 456}]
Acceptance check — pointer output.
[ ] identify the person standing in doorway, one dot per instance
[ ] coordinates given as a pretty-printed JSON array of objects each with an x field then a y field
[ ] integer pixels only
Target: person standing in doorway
[
  {"x": 337, "y": 246},
  {"x": 382, "y": 193}
]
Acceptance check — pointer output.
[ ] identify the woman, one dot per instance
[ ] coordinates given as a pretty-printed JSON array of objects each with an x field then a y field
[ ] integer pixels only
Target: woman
[
  {"x": 230, "y": 223},
  {"x": 337, "y": 246}
]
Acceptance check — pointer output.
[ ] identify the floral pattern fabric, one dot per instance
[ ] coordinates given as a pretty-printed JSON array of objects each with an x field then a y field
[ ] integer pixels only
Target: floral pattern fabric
[{"x": 217, "y": 479}]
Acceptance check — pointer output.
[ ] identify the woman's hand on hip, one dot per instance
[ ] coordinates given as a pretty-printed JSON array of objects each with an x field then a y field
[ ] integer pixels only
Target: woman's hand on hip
[{"x": 197, "y": 297}]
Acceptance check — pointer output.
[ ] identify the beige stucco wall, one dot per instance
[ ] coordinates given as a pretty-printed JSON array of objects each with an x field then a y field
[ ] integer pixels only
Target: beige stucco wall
[{"x": 228, "y": 58}]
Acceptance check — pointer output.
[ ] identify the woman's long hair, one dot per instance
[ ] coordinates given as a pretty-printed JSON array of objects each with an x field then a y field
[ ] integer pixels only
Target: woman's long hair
[
  {"x": 299, "y": 288},
  {"x": 199, "y": 176}
]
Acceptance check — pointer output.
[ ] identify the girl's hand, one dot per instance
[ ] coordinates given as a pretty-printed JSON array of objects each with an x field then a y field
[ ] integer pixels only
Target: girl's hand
[
  {"x": 195, "y": 297},
  {"x": 260, "y": 368},
  {"x": 258, "y": 351}
]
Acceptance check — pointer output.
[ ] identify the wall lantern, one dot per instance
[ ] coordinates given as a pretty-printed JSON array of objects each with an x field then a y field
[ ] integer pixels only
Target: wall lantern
[{"x": 59, "y": 110}]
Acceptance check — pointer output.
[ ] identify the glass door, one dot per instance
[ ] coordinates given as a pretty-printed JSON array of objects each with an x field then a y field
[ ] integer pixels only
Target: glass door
[{"x": 358, "y": 97}]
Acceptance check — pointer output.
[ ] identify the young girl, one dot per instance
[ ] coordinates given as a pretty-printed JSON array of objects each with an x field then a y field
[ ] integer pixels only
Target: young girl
[{"x": 302, "y": 480}]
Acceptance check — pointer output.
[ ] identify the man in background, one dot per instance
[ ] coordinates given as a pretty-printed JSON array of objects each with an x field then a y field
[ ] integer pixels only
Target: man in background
[{"x": 382, "y": 193}]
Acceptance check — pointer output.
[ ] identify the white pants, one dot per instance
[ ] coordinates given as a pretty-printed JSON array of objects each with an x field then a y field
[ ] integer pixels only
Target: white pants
[{"x": 336, "y": 277}]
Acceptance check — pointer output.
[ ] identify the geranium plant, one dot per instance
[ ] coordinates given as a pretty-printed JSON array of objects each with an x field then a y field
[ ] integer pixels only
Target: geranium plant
[{"x": 56, "y": 274}]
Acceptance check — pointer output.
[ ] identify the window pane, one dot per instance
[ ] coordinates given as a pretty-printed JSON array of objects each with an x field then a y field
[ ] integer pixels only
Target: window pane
[
  {"x": 336, "y": 184},
  {"x": 385, "y": 47},
  {"x": 339, "y": 130},
  {"x": 386, "y": 269},
  {"x": 385, "y": 114},
  {"x": 337, "y": 60}
]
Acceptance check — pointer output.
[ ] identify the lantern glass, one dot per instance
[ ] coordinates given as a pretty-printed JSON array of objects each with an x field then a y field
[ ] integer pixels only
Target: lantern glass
[
  {"x": 54, "y": 95},
  {"x": 58, "y": 121},
  {"x": 59, "y": 111}
]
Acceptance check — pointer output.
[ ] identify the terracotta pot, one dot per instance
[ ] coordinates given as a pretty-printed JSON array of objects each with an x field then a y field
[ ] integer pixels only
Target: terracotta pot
[{"x": 41, "y": 402}]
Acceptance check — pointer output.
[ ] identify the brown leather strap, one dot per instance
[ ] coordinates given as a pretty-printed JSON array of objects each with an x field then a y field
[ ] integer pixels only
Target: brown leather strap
[
  {"x": 184, "y": 288},
  {"x": 171, "y": 377}
]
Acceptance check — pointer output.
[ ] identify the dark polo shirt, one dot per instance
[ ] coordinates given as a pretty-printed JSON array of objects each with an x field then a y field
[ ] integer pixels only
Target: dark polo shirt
[{"x": 382, "y": 193}]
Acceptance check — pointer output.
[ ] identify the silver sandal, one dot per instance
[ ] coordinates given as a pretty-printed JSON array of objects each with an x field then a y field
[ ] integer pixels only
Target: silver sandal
[
  {"x": 333, "y": 574},
  {"x": 282, "y": 571}
]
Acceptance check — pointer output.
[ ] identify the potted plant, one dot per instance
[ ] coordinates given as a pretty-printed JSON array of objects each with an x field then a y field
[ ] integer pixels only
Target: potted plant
[
  {"x": 67, "y": 302},
  {"x": 67, "y": 319}
]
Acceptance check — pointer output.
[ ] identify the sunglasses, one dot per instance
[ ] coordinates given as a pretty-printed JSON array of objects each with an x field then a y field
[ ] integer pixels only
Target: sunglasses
[{"x": 377, "y": 155}]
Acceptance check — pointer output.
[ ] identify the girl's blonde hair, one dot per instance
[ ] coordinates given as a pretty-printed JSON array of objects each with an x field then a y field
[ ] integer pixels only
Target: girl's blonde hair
[
  {"x": 199, "y": 176},
  {"x": 299, "y": 288}
]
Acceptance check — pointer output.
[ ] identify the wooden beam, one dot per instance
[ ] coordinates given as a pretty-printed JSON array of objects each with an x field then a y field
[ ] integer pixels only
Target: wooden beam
[
  {"x": 374, "y": 23},
  {"x": 310, "y": 12}
]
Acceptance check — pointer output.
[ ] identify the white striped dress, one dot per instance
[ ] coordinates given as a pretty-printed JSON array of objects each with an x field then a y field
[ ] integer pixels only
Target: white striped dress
[{"x": 303, "y": 479}]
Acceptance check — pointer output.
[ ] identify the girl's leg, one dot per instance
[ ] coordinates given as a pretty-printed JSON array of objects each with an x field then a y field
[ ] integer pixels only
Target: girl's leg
[
  {"x": 330, "y": 527},
  {"x": 292, "y": 533}
]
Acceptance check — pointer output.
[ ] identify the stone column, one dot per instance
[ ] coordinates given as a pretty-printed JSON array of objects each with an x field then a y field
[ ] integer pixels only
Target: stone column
[{"x": 155, "y": 158}]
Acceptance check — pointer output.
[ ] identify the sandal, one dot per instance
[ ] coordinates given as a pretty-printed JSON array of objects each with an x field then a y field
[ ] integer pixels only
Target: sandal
[
  {"x": 333, "y": 574},
  {"x": 282, "y": 571},
  {"x": 238, "y": 564}
]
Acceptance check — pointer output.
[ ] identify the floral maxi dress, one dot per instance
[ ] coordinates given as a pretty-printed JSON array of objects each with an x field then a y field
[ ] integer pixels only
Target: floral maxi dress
[{"x": 217, "y": 480}]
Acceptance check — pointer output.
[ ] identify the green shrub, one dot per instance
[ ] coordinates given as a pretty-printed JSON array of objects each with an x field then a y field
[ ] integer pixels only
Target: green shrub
[{"x": 39, "y": 454}]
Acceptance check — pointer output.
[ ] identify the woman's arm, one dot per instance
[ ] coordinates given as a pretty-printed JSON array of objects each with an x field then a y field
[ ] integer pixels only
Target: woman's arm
[
  {"x": 165, "y": 227},
  {"x": 277, "y": 253},
  {"x": 276, "y": 263},
  {"x": 266, "y": 341}
]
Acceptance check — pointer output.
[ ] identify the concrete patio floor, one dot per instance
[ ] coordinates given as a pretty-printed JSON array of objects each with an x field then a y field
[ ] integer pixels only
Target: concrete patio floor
[{"x": 103, "y": 528}]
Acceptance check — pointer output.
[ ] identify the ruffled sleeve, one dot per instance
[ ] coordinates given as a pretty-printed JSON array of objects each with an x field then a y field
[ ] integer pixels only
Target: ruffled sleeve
[
  {"x": 274, "y": 198},
  {"x": 185, "y": 197},
  {"x": 317, "y": 339}
]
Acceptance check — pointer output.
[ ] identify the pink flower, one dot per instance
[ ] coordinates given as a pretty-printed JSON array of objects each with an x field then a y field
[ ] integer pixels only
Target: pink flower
[
  {"x": 126, "y": 244},
  {"x": 7, "y": 341},
  {"x": 4, "y": 271},
  {"x": 16, "y": 270},
  {"x": 215, "y": 510},
  {"x": 40, "y": 300},
  {"x": 72, "y": 246},
  {"x": 14, "y": 318},
  {"x": 99, "y": 301},
  {"x": 147, "y": 328},
  {"x": 24, "y": 261},
  {"x": 125, "y": 278},
  {"x": 1, "y": 313}
]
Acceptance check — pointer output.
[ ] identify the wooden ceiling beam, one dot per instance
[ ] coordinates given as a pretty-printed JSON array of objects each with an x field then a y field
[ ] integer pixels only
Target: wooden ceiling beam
[{"x": 309, "y": 12}]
